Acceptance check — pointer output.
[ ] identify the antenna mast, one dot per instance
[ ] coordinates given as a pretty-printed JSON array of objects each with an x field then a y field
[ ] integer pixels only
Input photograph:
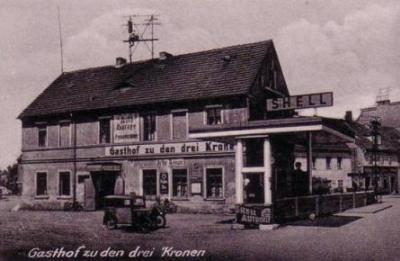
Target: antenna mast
[
  {"x": 137, "y": 30},
  {"x": 60, "y": 35}
]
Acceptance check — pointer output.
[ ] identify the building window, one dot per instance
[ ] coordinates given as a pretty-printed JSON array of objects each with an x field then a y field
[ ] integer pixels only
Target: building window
[
  {"x": 340, "y": 183},
  {"x": 105, "y": 131},
  {"x": 179, "y": 182},
  {"x": 149, "y": 182},
  {"x": 214, "y": 115},
  {"x": 64, "y": 185},
  {"x": 64, "y": 135},
  {"x": 339, "y": 162},
  {"x": 328, "y": 162},
  {"x": 214, "y": 188},
  {"x": 149, "y": 127},
  {"x": 42, "y": 136},
  {"x": 390, "y": 159},
  {"x": 41, "y": 184},
  {"x": 314, "y": 160}
]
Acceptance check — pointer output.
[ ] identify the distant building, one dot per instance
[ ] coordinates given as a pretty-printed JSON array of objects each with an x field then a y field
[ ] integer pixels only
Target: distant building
[{"x": 387, "y": 112}]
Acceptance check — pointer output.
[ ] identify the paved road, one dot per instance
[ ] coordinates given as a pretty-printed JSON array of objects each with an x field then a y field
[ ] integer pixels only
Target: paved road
[{"x": 351, "y": 236}]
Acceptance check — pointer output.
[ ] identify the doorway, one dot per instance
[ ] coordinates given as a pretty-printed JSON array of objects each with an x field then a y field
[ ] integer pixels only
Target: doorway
[
  {"x": 104, "y": 184},
  {"x": 254, "y": 188}
]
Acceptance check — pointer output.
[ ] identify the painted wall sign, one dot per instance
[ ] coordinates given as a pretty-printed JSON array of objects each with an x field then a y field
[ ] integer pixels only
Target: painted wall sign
[
  {"x": 169, "y": 148},
  {"x": 303, "y": 101},
  {"x": 253, "y": 215},
  {"x": 126, "y": 128},
  {"x": 164, "y": 183}
]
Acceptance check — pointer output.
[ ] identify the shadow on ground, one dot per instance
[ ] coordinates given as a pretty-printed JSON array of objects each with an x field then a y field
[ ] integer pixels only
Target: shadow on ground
[{"x": 328, "y": 221}]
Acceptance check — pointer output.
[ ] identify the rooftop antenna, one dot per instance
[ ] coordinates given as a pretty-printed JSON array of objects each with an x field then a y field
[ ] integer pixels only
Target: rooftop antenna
[
  {"x": 137, "y": 26},
  {"x": 383, "y": 94},
  {"x": 61, "y": 44}
]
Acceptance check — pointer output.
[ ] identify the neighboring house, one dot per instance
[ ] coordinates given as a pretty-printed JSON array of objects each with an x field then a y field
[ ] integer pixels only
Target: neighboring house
[
  {"x": 387, "y": 165},
  {"x": 332, "y": 162},
  {"x": 387, "y": 112}
]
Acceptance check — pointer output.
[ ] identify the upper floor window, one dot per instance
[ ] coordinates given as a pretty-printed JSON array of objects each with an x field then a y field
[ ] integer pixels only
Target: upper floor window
[
  {"x": 64, "y": 134},
  {"x": 105, "y": 131},
  {"x": 339, "y": 162},
  {"x": 328, "y": 162},
  {"x": 214, "y": 115},
  {"x": 149, "y": 127},
  {"x": 42, "y": 135}
]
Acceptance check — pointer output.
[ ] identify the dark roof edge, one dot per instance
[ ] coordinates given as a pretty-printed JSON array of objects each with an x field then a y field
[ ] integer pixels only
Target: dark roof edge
[{"x": 21, "y": 115}]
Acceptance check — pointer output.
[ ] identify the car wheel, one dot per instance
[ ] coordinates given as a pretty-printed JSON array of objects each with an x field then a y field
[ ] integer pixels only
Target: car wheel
[
  {"x": 161, "y": 221},
  {"x": 111, "y": 223}
]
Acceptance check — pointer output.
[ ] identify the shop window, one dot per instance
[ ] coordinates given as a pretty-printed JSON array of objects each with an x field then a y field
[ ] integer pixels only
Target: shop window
[
  {"x": 339, "y": 163},
  {"x": 314, "y": 159},
  {"x": 64, "y": 134},
  {"x": 41, "y": 184},
  {"x": 214, "y": 115},
  {"x": 105, "y": 131},
  {"x": 179, "y": 182},
  {"x": 65, "y": 184},
  {"x": 214, "y": 187},
  {"x": 42, "y": 136},
  {"x": 149, "y": 182},
  {"x": 149, "y": 127},
  {"x": 340, "y": 183},
  {"x": 328, "y": 162}
]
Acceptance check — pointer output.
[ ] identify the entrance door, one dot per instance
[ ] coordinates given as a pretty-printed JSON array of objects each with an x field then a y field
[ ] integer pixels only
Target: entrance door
[
  {"x": 104, "y": 183},
  {"x": 254, "y": 188},
  {"x": 90, "y": 195}
]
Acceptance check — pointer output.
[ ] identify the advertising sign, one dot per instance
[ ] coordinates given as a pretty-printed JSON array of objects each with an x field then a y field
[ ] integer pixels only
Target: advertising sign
[
  {"x": 253, "y": 215},
  {"x": 303, "y": 101},
  {"x": 164, "y": 183},
  {"x": 126, "y": 128}
]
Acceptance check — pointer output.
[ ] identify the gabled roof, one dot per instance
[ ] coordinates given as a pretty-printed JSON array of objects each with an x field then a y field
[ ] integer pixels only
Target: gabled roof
[
  {"x": 387, "y": 112},
  {"x": 182, "y": 78}
]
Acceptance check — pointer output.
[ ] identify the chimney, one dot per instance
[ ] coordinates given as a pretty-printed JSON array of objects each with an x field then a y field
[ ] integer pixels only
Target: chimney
[
  {"x": 348, "y": 116},
  {"x": 164, "y": 56},
  {"x": 119, "y": 62}
]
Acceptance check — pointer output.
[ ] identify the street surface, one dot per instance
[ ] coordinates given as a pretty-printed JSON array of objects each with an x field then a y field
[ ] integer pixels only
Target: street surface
[{"x": 354, "y": 235}]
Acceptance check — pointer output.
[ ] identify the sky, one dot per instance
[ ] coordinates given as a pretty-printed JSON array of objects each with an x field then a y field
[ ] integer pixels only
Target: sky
[{"x": 349, "y": 47}]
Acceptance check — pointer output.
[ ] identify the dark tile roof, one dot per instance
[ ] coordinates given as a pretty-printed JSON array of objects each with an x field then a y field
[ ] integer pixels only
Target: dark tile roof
[
  {"x": 387, "y": 113},
  {"x": 390, "y": 137},
  {"x": 184, "y": 77}
]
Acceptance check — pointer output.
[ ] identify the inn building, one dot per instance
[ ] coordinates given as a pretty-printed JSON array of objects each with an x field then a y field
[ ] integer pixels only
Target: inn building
[{"x": 193, "y": 128}]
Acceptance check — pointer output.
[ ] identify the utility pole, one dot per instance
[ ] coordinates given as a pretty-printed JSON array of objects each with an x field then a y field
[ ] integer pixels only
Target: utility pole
[{"x": 375, "y": 126}]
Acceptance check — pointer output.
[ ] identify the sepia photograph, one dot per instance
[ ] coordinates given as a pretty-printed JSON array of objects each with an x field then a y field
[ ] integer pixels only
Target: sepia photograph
[{"x": 200, "y": 130}]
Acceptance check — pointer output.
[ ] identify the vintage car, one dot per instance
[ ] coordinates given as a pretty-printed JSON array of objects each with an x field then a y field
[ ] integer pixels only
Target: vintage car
[{"x": 131, "y": 210}]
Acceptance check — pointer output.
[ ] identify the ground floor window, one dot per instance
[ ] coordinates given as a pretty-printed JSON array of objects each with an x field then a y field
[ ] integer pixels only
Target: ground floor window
[
  {"x": 65, "y": 183},
  {"x": 214, "y": 188},
  {"x": 41, "y": 183},
  {"x": 179, "y": 182},
  {"x": 150, "y": 182}
]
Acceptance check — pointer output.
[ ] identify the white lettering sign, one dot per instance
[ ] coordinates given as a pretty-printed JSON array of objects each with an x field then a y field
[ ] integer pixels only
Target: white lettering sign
[
  {"x": 300, "y": 101},
  {"x": 169, "y": 148},
  {"x": 126, "y": 128}
]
